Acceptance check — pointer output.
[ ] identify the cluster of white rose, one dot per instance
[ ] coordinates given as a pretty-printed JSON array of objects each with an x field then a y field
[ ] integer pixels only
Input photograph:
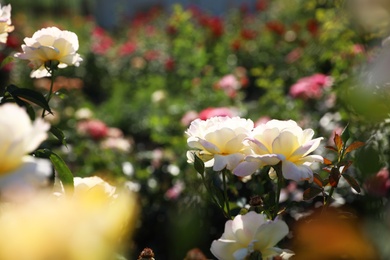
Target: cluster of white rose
[{"x": 235, "y": 144}]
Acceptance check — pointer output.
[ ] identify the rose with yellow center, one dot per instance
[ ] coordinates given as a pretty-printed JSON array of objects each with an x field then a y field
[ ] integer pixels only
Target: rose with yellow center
[
  {"x": 219, "y": 141},
  {"x": 282, "y": 141},
  {"x": 50, "y": 45}
]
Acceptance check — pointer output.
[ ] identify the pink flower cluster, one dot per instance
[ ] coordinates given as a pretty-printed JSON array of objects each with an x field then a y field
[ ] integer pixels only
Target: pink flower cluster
[{"x": 311, "y": 87}]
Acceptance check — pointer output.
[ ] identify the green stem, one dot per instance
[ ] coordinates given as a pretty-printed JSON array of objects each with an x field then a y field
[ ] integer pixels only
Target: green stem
[
  {"x": 226, "y": 199},
  {"x": 327, "y": 202},
  {"x": 49, "y": 95},
  {"x": 280, "y": 180}
]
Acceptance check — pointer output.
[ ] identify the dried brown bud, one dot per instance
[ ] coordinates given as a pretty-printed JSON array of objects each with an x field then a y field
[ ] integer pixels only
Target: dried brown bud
[
  {"x": 195, "y": 254},
  {"x": 255, "y": 201},
  {"x": 146, "y": 254}
]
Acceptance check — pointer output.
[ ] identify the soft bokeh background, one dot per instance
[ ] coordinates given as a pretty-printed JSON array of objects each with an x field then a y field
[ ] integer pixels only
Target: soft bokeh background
[{"x": 150, "y": 67}]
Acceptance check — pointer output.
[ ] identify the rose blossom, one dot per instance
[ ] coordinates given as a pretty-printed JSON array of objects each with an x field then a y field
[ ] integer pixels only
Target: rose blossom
[
  {"x": 310, "y": 87},
  {"x": 248, "y": 233},
  {"x": 229, "y": 84},
  {"x": 5, "y": 22},
  {"x": 94, "y": 128},
  {"x": 20, "y": 173},
  {"x": 282, "y": 141},
  {"x": 50, "y": 44},
  {"x": 219, "y": 141}
]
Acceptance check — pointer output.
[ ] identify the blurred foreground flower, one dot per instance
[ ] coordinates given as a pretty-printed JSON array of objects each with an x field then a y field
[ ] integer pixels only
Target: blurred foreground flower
[
  {"x": 19, "y": 172},
  {"x": 247, "y": 234},
  {"x": 331, "y": 236},
  {"x": 282, "y": 141},
  {"x": 219, "y": 141},
  {"x": 47, "y": 47},
  {"x": 5, "y": 22},
  {"x": 87, "y": 225}
]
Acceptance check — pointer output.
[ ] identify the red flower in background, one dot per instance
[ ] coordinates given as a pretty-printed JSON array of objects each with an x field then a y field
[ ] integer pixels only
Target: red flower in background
[
  {"x": 101, "y": 41},
  {"x": 310, "y": 87},
  {"x": 94, "y": 128},
  {"x": 276, "y": 27},
  {"x": 151, "y": 55},
  {"x": 127, "y": 48},
  {"x": 261, "y": 5},
  {"x": 170, "y": 64},
  {"x": 214, "y": 24},
  {"x": 236, "y": 45},
  {"x": 378, "y": 185},
  {"x": 248, "y": 34},
  {"x": 312, "y": 26}
]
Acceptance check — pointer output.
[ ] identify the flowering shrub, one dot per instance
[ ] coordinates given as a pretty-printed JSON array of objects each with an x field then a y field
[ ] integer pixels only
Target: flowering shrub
[{"x": 255, "y": 90}]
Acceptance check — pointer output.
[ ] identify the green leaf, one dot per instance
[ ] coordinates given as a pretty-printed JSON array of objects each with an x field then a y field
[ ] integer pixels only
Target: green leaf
[
  {"x": 352, "y": 182},
  {"x": 311, "y": 192},
  {"x": 30, "y": 95},
  {"x": 198, "y": 164},
  {"x": 7, "y": 60},
  {"x": 345, "y": 135},
  {"x": 59, "y": 134},
  {"x": 64, "y": 174}
]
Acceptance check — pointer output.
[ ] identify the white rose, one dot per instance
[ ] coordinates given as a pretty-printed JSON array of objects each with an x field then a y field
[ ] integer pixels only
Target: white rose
[
  {"x": 219, "y": 141},
  {"x": 50, "y": 44},
  {"x": 19, "y": 137},
  {"x": 282, "y": 141},
  {"x": 248, "y": 233}
]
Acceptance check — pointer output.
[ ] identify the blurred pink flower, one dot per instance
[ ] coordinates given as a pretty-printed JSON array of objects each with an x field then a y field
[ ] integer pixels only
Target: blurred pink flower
[
  {"x": 294, "y": 55},
  {"x": 379, "y": 184},
  {"x": 96, "y": 129},
  {"x": 175, "y": 191},
  {"x": 101, "y": 41},
  {"x": 229, "y": 84},
  {"x": 188, "y": 117},
  {"x": 310, "y": 87},
  {"x": 216, "y": 111},
  {"x": 262, "y": 120}
]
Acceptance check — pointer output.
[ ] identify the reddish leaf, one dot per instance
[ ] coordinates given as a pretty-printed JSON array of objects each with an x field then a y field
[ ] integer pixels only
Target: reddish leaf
[
  {"x": 334, "y": 177},
  {"x": 354, "y": 184},
  {"x": 327, "y": 161},
  {"x": 317, "y": 179},
  {"x": 354, "y": 146},
  {"x": 331, "y": 148},
  {"x": 338, "y": 142},
  {"x": 311, "y": 192},
  {"x": 346, "y": 165}
]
